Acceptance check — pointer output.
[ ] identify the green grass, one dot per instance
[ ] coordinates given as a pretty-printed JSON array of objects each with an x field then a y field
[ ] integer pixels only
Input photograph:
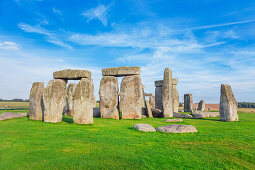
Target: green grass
[{"x": 114, "y": 144}]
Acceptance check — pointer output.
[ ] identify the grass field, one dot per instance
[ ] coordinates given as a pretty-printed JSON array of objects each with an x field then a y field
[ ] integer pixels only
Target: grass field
[
  {"x": 114, "y": 144},
  {"x": 14, "y": 105}
]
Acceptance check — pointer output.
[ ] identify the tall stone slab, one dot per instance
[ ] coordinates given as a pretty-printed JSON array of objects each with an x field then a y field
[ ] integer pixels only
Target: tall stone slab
[
  {"x": 167, "y": 93},
  {"x": 131, "y": 97},
  {"x": 54, "y": 99},
  {"x": 36, "y": 101},
  {"x": 84, "y": 101},
  {"x": 175, "y": 95},
  {"x": 69, "y": 99},
  {"x": 152, "y": 101},
  {"x": 158, "y": 94},
  {"x": 148, "y": 108},
  {"x": 109, "y": 97},
  {"x": 228, "y": 104},
  {"x": 188, "y": 103},
  {"x": 201, "y": 105}
]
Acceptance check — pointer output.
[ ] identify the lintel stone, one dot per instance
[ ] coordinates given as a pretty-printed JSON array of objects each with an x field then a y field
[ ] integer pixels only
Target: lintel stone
[
  {"x": 72, "y": 74},
  {"x": 121, "y": 71}
]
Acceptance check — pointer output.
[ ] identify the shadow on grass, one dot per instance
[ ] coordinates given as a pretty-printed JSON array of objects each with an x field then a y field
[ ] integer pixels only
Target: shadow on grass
[{"x": 67, "y": 120}]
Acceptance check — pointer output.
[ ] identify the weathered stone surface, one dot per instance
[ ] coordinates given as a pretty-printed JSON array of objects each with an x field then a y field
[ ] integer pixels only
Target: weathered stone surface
[
  {"x": 148, "y": 108},
  {"x": 201, "y": 105},
  {"x": 36, "y": 101},
  {"x": 131, "y": 97},
  {"x": 72, "y": 74},
  {"x": 188, "y": 103},
  {"x": 177, "y": 129},
  {"x": 121, "y": 71},
  {"x": 158, "y": 94},
  {"x": 205, "y": 114},
  {"x": 54, "y": 99},
  {"x": 228, "y": 104},
  {"x": 167, "y": 94},
  {"x": 197, "y": 116},
  {"x": 144, "y": 127},
  {"x": 96, "y": 112},
  {"x": 157, "y": 113},
  {"x": 175, "y": 95},
  {"x": 9, "y": 115},
  {"x": 178, "y": 115},
  {"x": 175, "y": 81},
  {"x": 84, "y": 101},
  {"x": 109, "y": 98},
  {"x": 173, "y": 120},
  {"x": 152, "y": 101},
  {"x": 69, "y": 99}
]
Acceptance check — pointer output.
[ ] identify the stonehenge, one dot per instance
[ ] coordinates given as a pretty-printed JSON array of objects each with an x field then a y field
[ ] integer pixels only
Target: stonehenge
[
  {"x": 167, "y": 94},
  {"x": 69, "y": 99},
  {"x": 188, "y": 103},
  {"x": 35, "y": 101}
]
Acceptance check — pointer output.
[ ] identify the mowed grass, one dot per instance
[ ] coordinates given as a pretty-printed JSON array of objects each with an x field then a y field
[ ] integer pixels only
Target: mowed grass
[
  {"x": 114, "y": 144},
  {"x": 14, "y": 105}
]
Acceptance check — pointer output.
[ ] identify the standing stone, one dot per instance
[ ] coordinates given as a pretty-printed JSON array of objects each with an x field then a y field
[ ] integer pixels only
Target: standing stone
[
  {"x": 188, "y": 103},
  {"x": 69, "y": 99},
  {"x": 175, "y": 95},
  {"x": 167, "y": 94},
  {"x": 131, "y": 97},
  {"x": 108, "y": 93},
  {"x": 152, "y": 101},
  {"x": 228, "y": 104},
  {"x": 158, "y": 94},
  {"x": 148, "y": 108},
  {"x": 54, "y": 99},
  {"x": 36, "y": 101},
  {"x": 201, "y": 105},
  {"x": 84, "y": 101}
]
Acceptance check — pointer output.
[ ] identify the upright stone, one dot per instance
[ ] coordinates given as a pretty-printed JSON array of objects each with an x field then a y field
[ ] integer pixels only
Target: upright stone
[
  {"x": 175, "y": 95},
  {"x": 148, "y": 108},
  {"x": 69, "y": 99},
  {"x": 84, "y": 101},
  {"x": 54, "y": 99},
  {"x": 108, "y": 93},
  {"x": 36, "y": 101},
  {"x": 188, "y": 103},
  {"x": 201, "y": 105},
  {"x": 152, "y": 101},
  {"x": 158, "y": 94},
  {"x": 167, "y": 94},
  {"x": 131, "y": 97},
  {"x": 228, "y": 104}
]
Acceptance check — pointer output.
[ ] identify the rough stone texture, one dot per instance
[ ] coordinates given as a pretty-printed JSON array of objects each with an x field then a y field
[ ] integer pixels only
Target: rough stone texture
[
  {"x": 148, "y": 108},
  {"x": 54, "y": 99},
  {"x": 144, "y": 127},
  {"x": 109, "y": 98},
  {"x": 157, "y": 113},
  {"x": 96, "y": 112},
  {"x": 121, "y": 71},
  {"x": 72, "y": 74},
  {"x": 198, "y": 116},
  {"x": 131, "y": 97},
  {"x": 167, "y": 94},
  {"x": 175, "y": 81},
  {"x": 152, "y": 101},
  {"x": 177, "y": 129},
  {"x": 173, "y": 120},
  {"x": 175, "y": 95},
  {"x": 188, "y": 103},
  {"x": 228, "y": 104},
  {"x": 84, "y": 102},
  {"x": 158, "y": 94},
  {"x": 9, "y": 115},
  {"x": 205, "y": 114},
  {"x": 36, "y": 101},
  {"x": 69, "y": 99},
  {"x": 178, "y": 115},
  {"x": 201, "y": 105}
]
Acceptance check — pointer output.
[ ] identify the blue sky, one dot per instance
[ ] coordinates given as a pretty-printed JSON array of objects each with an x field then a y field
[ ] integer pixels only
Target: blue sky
[{"x": 205, "y": 43}]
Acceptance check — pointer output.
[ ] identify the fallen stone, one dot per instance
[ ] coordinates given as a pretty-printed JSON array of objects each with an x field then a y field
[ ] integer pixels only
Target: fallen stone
[
  {"x": 121, "y": 71},
  {"x": 178, "y": 115},
  {"x": 228, "y": 104},
  {"x": 205, "y": 114},
  {"x": 9, "y": 115},
  {"x": 148, "y": 108},
  {"x": 173, "y": 120},
  {"x": 201, "y": 105},
  {"x": 36, "y": 101},
  {"x": 72, "y": 74},
  {"x": 197, "y": 116},
  {"x": 144, "y": 127},
  {"x": 84, "y": 102},
  {"x": 167, "y": 93},
  {"x": 54, "y": 99},
  {"x": 177, "y": 129}
]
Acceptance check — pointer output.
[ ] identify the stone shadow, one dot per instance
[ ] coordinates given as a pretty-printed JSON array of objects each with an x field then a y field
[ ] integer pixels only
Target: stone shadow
[{"x": 68, "y": 120}]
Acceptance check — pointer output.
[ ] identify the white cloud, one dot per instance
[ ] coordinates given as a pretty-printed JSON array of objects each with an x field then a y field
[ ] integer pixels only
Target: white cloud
[
  {"x": 8, "y": 45},
  {"x": 100, "y": 13}
]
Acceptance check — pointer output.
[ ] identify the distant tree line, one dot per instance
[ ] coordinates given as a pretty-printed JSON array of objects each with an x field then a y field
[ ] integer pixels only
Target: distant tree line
[
  {"x": 14, "y": 100},
  {"x": 246, "y": 105}
]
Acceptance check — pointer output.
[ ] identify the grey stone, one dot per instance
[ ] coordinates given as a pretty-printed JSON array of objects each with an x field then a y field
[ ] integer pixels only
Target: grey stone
[
  {"x": 201, "y": 105},
  {"x": 175, "y": 95},
  {"x": 188, "y": 103},
  {"x": 198, "y": 116},
  {"x": 159, "y": 83},
  {"x": 177, "y": 129},
  {"x": 96, "y": 112},
  {"x": 9, "y": 115},
  {"x": 148, "y": 108},
  {"x": 178, "y": 115},
  {"x": 228, "y": 104},
  {"x": 109, "y": 98},
  {"x": 152, "y": 101},
  {"x": 69, "y": 99},
  {"x": 121, "y": 71},
  {"x": 72, "y": 74},
  {"x": 84, "y": 102},
  {"x": 131, "y": 97},
  {"x": 36, "y": 101},
  {"x": 173, "y": 120},
  {"x": 158, "y": 96},
  {"x": 54, "y": 99},
  {"x": 167, "y": 94},
  {"x": 144, "y": 127},
  {"x": 157, "y": 113},
  {"x": 205, "y": 114}
]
